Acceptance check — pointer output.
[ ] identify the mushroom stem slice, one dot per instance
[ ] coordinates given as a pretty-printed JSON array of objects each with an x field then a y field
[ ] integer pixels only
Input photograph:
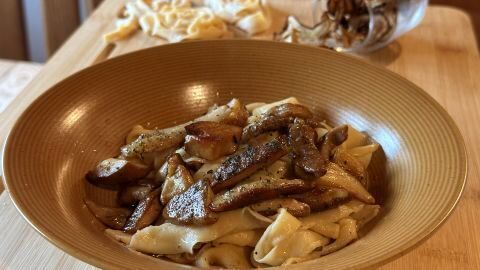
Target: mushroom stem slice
[
  {"x": 308, "y": 161},
  {"x": 191, "y": 206},
  {"x": 112, "y": 172},
  {"x": 336, "y": 177},
  {"x": 146, "y": 212},
  {"x": 322, "y": 199},
  {"x": 270, "y": 207},
  {"x": 113, "y": 217},
  {"x": 240, "y": 166},
  {"x": 234, "y": 113},
  {"x": 178, "y": 179},
  {"x": 211, "y": 140},
  {"x": 249, "y": 193}
]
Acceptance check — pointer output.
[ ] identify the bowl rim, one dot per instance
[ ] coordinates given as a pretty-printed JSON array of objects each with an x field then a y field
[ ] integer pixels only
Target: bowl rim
[{"x": 396, "y": 253}]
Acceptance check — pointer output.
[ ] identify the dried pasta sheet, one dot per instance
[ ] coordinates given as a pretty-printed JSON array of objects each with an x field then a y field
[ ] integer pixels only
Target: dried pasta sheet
[
  {"x": 174, "y": 21},
  {"x": 249, "y": 15}
]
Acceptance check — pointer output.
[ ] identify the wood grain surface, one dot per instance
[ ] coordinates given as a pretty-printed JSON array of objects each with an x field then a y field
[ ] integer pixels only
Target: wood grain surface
[{"x": 441, "y": 56}]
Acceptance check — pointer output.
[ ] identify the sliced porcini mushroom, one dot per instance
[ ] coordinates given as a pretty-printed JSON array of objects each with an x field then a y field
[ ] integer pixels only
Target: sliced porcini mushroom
[
  {"x": 159, "y": 140},
  {"x": 237, "y": 114},
  {"x": 240, "y": 166},
  {"x": 307, "y": 159},
  {"x": 178, "y": 179},
  {"x": 113, "y": 172},
  {"x": 113, "y": 217},
  {"x": 322, "y": 199},
  {"x": 270, "y": 207},
  {"x": 211, "y": 140},
  {"x": 131, "y": 195},
  {"x": 250, "y": 193},
  {"x": 195, "y": 163},
  {"x": 276, "y": 118},
  {"x": 136, "y": 132},
  {"x": 146, "y": 212},
  {"x": 352, "y": 165},
  {"x": 191, "y": 207},
  {"x": 332, "y": 139},
  {"x": 207, "y": 169},
  {"x": 156, "y": 159},
  {"x": 336, "y": 177},
  {"x": 155, "y": 141}
]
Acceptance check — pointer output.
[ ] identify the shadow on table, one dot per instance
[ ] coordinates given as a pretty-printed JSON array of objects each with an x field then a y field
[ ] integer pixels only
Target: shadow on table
[
  {"x": 471, "y": 7},
  {"x": 386, "y": 55}
]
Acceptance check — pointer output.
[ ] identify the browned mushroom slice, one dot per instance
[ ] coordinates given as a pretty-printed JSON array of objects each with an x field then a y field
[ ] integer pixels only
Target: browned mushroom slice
[
  {"x": 253, "y": 192},
  {"x": 191, "y": 207},
  {"x": 113, "y": 172},
  {"x": 178, "y": 178},
  {"x": 146, "y": 212},
  {"x": 240, "y": 166},
  {"x": 320, "y": 200},
  {"x": 234, "y": 113},
  {"x": 130, "y": 195},
  {"x": 237, "y": 114},
  {"x": 332, "y": 139},
  {"x": 336, "y": 177},
  {"x": 352, "y": 165},
  {"x": 308, "y": 161},
  {"x": 211, "y": 140},
  {"x": 276, "y": 118},
  {"x": 270, "y": 207},
  {"x": 112, "y": 217}
]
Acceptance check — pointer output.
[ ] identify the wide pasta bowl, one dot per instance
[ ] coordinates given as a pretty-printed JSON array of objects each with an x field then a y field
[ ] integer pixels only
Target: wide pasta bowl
[{"x": 83, "y": 119}]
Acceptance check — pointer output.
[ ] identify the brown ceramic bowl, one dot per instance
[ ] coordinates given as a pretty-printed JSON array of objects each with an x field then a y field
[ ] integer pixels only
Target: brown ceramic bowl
[{"x": 85, "y": 118}]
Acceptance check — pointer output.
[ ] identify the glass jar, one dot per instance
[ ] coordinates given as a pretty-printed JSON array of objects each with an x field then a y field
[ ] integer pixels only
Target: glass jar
[{"x": 367, "y": 25}]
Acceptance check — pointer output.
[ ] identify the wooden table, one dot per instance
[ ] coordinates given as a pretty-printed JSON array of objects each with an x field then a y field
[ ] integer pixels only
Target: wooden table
[{"x": 441, "y": 56}]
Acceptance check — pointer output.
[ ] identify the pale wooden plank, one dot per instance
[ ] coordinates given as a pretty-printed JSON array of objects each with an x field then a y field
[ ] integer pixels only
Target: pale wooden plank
[
  {"x": 11, "y": 28},
  {"x": 27, "y": 248}
]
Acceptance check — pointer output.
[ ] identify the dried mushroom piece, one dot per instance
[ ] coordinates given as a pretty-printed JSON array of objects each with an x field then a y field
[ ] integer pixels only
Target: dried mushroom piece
[
  {"x": 240, "y": 166},
  {"x": 113, "y": 217},
  {"x": 344, "y": 24},
  {"x": 191, "y": 207},
  {"x": 211, "y": 140},
  {"x": 146, "y": 212},
  {"x": 178, "y": 178},
  {"x": 253, "y": 192},
  {"x": 113, "y": 172},
  {"x": 295, "y": 32}
]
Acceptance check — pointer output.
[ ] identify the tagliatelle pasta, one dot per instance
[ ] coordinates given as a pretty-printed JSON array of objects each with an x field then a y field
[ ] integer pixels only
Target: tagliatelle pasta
[
  {"x": 178, "y": 20},
  {"x": 174, "y": 239},
  {"x": 281, "y": 187}
]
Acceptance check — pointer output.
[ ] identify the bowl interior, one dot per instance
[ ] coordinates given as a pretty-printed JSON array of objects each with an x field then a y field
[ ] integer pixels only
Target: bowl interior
[{"x": 85, "y": 118}]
